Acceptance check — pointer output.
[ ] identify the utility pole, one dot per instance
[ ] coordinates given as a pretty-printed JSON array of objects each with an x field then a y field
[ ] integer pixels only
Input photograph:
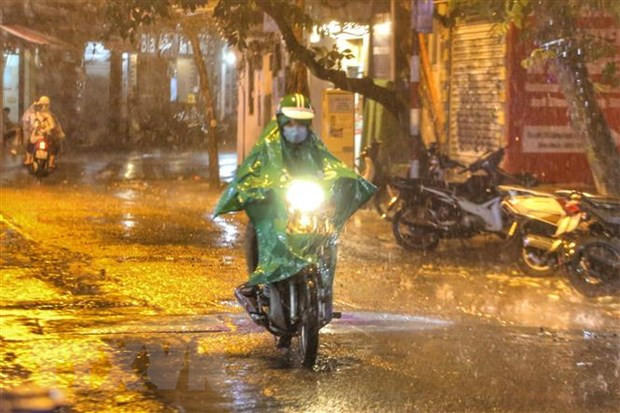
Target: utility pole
[
  {"x": 416, "y": 103},
  {"x": 421, "y": 22},
  {"x": 297, "y": 79}
]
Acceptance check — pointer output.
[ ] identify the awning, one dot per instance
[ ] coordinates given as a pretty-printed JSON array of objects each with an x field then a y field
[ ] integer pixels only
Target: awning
[{"x": 33, "y": 36}]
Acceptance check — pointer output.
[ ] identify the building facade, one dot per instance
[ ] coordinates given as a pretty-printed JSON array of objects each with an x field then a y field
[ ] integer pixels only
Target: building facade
[{"x": 491, "y": 100}]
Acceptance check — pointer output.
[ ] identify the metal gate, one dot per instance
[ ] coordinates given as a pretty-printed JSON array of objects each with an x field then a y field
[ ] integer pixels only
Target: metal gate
[{"x": 477, "y": 91}]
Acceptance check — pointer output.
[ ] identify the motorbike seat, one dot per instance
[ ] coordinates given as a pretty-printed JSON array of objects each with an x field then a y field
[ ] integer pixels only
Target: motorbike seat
[
  {"x": 602, "y": 201},
  {"x": 607, "y": 211},
  {"x": 606, "y": 208}
]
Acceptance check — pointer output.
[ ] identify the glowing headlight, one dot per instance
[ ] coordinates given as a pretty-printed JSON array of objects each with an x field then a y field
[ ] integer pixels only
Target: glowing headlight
[{"x": 305, "y": 196}]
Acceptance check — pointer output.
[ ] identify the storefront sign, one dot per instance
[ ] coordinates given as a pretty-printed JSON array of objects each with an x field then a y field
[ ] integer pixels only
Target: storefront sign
[
  {"x": 164, "y": 44},
  {"x": 550, "y": 139},
  {"x": 148, "y": 44},
  {"x": 542, "y": 139},
  {"x": 422, "y": 15}
]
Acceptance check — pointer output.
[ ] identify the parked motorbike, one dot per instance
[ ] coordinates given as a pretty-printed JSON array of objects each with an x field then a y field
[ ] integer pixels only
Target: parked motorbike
[
  {"x": 454, "y": 210},
  {"x": 386, "y": 198},
  {"x": 590, "y": 243},
  {"x": 585, "y": 241},
  {"x": 296, "y": 308},
  {"x": 40, "y": 161},
  {"x": 534, "y": 218},
  {"x": 371, "y": 169}
]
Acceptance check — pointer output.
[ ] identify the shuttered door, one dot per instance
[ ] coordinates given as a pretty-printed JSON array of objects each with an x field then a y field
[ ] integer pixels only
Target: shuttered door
[{"x": 477, "y": 91}]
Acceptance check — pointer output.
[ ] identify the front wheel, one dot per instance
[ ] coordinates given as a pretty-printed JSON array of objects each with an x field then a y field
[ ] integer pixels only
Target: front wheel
[
  {"x": 535, "y": 262},
  {"x": 412, "y": 236},
  {"x": 34, "y": 167},
  {"x": 39, "y": 167},
  {"x": 594, "y": 269},
  {"x": 251, "y": 248},
  {"x": 308, "y": 339}
]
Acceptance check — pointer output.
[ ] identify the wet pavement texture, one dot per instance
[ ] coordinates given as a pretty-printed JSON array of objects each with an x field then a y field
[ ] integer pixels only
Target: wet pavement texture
[{"x": 117, "y": 291}]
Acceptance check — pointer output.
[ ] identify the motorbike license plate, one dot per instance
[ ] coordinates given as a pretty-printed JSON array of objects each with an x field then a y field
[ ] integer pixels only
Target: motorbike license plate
[{"x": 41, "y": 154}]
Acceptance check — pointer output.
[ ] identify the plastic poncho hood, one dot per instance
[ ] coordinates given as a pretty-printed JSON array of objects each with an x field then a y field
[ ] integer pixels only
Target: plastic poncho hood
[{"x": 259, "y": 188}]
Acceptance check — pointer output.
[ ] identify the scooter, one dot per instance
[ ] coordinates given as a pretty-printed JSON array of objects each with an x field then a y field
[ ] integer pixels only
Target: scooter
[
  {"x": 40, "y": 158},
  {"x": 533, "y": 220},
  {"x": 589, "y": 241},
  {"x": 387, "y": 197},
  {"x": 454, "y": 210},
  {"x": 296, "y": 308},
  {"x": 384, "y": 199},
  {"x": 585, "y": 241}
]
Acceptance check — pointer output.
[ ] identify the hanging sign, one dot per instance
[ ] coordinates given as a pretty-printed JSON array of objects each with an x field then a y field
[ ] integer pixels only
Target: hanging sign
[{"x": 422, "y": 15}]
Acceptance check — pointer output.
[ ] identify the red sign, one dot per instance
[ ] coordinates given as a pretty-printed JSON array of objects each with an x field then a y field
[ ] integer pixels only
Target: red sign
[{"x": 541, "y": 139}]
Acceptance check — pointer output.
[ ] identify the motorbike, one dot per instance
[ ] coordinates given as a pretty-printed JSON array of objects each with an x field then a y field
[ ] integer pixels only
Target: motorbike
[
  {"x": 590, "y": 242},
  {"x": 430, "y": 212},
  {"x": 296, "y": 308},
  {"x": 40, "y": 160},
  {"x": 386, "y": 198},
  {"x": 372, "y": 170},
  {"x": 585, "y": 240},
  {"x": 534, "y": 218}
]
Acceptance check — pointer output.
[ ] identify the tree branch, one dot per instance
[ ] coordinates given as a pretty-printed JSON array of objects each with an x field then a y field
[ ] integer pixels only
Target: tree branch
[{"x": 365, "y": 86}]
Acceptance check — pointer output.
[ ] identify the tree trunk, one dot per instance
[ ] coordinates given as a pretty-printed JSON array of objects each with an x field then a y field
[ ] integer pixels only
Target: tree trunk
[
  {"x": 297, "y": 76},
  {"x": 297, "y": 79},
  {"x": 364, "y": 86},
  {"x": 206, "y": 98},
  {"x": 588, "y": 121}
]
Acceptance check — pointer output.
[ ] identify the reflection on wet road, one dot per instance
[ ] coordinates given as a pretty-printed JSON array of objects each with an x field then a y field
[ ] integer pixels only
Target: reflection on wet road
[
  {"x": 220, "y": 363},
  {"x": 95, "y": 168},
  {"x": 116, "y": 289}
]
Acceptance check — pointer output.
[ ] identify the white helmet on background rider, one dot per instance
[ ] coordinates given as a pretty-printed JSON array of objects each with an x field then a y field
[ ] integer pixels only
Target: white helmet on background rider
[{"x": 43, "y": 101}]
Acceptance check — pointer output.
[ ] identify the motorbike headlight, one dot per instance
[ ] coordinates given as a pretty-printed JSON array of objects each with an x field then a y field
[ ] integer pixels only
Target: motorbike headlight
[
  {"x": 305, "y": 196},
  {"x": 42, "y": 145}
]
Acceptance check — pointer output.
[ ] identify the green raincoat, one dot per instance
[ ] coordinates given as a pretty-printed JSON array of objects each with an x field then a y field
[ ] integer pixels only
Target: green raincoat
[{"x": 259, "y": 188}]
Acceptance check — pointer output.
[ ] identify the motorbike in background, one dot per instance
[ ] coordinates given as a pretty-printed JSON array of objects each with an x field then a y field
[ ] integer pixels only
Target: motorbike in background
[
  {"x": 373, "y": 171},
  {"x": 584, "y": 239},
  {"x": 296, "y": 308},
  {"x": 590, "y": 242},
  {"x": 430, "y": 212},
  {"x": 534, "y": 218},
  {"x": 40, "y": 161},
  {"x": 386, "y": 199}
]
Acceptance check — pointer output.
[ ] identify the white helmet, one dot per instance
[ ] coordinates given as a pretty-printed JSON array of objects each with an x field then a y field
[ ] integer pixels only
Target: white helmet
[{"x": 43, "y": 100}]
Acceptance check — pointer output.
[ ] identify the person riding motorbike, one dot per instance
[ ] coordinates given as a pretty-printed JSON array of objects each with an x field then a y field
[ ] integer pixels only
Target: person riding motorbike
[
  {"x": 44, "y": 124},
  {"x": 288, "y": 148}
]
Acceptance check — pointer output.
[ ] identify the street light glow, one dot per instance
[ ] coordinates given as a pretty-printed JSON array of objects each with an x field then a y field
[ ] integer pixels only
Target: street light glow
[
  {"x": 384, "y": 28},
  {"x": 315, "y": 37},
  {"x": 230, "y": 58}
]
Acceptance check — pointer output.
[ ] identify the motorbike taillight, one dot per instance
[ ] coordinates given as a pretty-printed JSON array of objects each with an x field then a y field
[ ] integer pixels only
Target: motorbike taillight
[{"x": 571, "y": 207}]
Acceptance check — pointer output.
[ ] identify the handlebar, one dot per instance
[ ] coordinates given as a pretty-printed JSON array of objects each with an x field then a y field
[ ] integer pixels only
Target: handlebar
[{"x": 488, "y": 160}]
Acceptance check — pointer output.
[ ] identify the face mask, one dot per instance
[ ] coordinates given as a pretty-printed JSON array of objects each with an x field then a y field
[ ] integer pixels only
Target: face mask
[{"x": 295, "y": 134}]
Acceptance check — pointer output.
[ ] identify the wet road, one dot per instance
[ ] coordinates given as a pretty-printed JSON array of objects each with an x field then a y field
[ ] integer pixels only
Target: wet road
[{"x": 116, "y": 290}]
